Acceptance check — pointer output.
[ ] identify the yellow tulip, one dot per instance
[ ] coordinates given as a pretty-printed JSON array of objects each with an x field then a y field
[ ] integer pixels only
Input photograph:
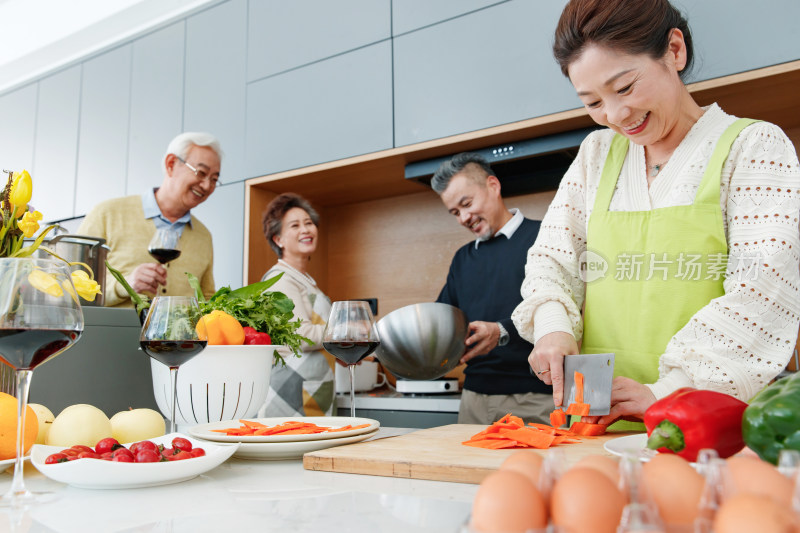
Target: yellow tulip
[
  {"x": 45, "y": 282},
  {"x": 21, "y": 189},
  {"x": 29, "y": 224},
  {"x": 87, "y": 287}
]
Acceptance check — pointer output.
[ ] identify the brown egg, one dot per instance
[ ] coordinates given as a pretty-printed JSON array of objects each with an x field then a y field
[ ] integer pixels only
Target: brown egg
[
  {"x": 507, "y": 502},
  {"x": 675, "y": 487},
  {"x": 752, "y": 475},
  {"x": 586, "y": 500},
  {"x": 526, "y": 462},
  {"x": 605, "y": 464},
  {"x": 750, "y": 513}
]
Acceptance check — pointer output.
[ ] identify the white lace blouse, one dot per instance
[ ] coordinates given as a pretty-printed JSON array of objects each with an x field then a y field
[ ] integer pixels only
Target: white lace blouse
[{"x": 737, "y": 343}]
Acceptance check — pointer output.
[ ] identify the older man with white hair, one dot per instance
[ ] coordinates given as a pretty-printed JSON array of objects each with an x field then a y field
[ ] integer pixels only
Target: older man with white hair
[{"x": 191, "y": 174}]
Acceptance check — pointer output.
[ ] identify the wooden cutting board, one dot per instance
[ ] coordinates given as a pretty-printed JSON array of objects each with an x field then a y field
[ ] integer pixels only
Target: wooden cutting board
[{"x": 434, "y": 454}]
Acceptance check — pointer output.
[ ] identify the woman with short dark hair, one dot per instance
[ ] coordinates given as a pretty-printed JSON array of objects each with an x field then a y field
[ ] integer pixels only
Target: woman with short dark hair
[
  {"x": 305, "y": 386},
  {"x": 673, "y": 238}
]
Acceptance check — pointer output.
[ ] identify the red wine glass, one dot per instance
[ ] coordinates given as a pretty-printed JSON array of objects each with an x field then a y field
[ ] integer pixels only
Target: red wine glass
[
  {"x": 169, "y": 335},
  {"x": 350, "y": 335},
  {"x": 40, "y": 317},
  {"x": 164, "y": 245}
]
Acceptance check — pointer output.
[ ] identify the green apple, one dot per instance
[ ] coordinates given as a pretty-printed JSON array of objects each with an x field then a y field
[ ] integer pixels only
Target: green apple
[
  {"x": 45, "y": 417},
  {"x": 135, "y": 425},
  {"x": 79, "y": 424}
]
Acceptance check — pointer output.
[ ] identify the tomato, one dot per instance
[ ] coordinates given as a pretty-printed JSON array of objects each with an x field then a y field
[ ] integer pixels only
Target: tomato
[
  {"x": 168, "y": 452},
  {"x": 180, "y": 443},
  {"x": 181, "y": 455},
  {"x": 144, "y": 445},
  {"x": 88, "y": 455},
  {"x": 69, "y": 452},
  {"x": 122, "y": 457},
  {"x": 147, "y": 456},
  {"x": 107, "y": 445},
  {"x": 106, "y": 456},
  {"x": 122, "y": 452},
  {"x": 55, "y": 458},
  {"x": 198, "y": 452},
  {"x": 81, "y": 448}
]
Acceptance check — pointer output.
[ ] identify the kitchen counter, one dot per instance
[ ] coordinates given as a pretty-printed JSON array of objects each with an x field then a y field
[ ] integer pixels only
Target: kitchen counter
[{"x": 242, "y": 495}]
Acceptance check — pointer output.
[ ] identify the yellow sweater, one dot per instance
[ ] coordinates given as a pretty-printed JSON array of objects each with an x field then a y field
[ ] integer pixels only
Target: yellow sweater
[{"x": 121, "y": 222}]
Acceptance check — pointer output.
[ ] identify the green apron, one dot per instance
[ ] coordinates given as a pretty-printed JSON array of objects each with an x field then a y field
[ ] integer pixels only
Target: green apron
[{"x": 663, "y": 266}]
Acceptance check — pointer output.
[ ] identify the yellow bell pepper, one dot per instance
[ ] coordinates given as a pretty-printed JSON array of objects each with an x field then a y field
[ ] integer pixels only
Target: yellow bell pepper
[{"x": 220, "y": 328}]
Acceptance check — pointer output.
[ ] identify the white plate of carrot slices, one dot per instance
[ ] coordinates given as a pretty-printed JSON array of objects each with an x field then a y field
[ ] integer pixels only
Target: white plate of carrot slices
[{"x": 283, "y": 429}]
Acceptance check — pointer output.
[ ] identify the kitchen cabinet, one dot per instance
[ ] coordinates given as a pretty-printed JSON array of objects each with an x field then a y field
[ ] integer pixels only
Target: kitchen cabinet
[
  {"x": 103, "y": 137},
  {"x": 384, "y": 237},
  {"x": 56, "y": 148},
  {"x": 105, "y": 368}
]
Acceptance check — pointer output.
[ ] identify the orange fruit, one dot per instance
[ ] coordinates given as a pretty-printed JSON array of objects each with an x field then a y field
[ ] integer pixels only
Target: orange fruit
[{"x": 8, "y": 427}]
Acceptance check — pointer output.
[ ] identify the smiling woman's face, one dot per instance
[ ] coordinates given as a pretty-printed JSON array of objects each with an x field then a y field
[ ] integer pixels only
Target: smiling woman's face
[
  {"x": 298, "y": 235},
  {"x": 634, "y": 95}
]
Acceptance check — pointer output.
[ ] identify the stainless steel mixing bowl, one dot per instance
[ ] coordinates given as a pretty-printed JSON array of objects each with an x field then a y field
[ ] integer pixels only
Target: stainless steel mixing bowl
[{"x": 422, "y": 341}]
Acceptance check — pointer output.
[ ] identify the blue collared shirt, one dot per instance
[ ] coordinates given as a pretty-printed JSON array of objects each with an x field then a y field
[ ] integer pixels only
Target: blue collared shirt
[{"x": 151, "y": 210}]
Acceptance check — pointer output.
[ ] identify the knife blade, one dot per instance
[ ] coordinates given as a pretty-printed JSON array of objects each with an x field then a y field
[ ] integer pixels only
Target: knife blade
[{"x": 598, "y": 372}]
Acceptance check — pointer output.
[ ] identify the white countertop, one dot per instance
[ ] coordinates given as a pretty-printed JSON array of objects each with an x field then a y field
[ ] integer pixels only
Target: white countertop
[{"x": 243, "y": 496}]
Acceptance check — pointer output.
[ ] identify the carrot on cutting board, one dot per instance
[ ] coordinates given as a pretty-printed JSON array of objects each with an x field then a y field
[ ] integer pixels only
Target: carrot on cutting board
[
  {"x": 511, "y": 432},
  {"x": 585, "y": 429},
  {"x": 558, "y": 418}
]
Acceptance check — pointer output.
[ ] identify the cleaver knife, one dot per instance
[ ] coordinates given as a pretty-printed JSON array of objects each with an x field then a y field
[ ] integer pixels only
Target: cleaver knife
[{"x": 598, "y": 372}]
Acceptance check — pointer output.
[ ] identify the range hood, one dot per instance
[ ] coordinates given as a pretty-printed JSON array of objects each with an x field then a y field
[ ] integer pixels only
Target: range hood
[{"x": 522, "y": 167}]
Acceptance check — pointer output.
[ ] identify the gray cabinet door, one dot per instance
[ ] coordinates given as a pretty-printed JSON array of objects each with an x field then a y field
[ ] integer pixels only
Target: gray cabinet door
[
  {"x": 483, "y": 69},
  {"x": 156, "y": 104},
  {"x": 410, "y": 15},
  {"x": 103, "y": 138},
  {"x": 214, "y": 93},
  {"x": 18, "y": 112},
  {"x": 329, "y": 110},
  {"x": 56, "y": 148},
  {"x": 284, "y": 35}
]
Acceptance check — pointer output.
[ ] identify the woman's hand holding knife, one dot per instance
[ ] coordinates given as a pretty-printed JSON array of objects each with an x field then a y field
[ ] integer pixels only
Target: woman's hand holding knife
[{"x": 547, "y": 361}]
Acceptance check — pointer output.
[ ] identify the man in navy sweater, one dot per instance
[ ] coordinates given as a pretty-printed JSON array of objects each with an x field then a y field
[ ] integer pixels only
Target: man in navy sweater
[{"x": 484, "y": 281}]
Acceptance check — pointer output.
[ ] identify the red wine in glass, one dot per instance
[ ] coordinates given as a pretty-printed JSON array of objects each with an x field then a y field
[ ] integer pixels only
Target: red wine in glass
[
  {"x": 173, "y": 353},
  {"x": 164, "y": 245},
  {"x": 351, "y": 352},
  {"x": 164, "y": 255},
  {"x": 25, "y": 349}
]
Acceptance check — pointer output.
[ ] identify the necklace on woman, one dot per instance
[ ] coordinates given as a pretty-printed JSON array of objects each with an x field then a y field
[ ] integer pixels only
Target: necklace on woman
[{"x": 653, "y": 170}]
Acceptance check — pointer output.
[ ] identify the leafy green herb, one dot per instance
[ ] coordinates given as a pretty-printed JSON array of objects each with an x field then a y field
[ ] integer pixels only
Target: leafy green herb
[{"x": 255, "y": 306}]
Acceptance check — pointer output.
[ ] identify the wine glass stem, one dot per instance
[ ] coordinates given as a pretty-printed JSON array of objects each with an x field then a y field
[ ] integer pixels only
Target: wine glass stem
[
  {"x": 173, "y": 374},
  {"x": 352, "y": 369},
  {"x": 23, "y": 385}
]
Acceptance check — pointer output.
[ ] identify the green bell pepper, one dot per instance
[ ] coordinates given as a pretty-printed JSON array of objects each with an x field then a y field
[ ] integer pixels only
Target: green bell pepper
[{"x": 771, "y": 422}]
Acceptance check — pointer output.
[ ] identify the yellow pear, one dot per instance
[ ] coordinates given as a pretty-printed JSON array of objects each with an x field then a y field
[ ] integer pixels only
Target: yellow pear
[
  {"x": 45, "y": 417},
  {"x": 79, "y": 424},
  {"x": 135, "y": 425}
]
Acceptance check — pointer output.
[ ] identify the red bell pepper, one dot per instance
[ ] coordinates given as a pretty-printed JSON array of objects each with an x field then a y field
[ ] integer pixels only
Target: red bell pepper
[
  {"x": 251, "y": 336},
  {"x": 689, "y": 420}
]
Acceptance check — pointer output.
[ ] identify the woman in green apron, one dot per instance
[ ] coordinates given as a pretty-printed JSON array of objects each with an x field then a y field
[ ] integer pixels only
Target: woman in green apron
[{"x": 673, "y": 238}]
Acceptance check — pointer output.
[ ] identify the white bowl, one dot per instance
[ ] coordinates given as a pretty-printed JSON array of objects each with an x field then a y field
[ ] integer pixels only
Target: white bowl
[{"x": 220, "y": 383}]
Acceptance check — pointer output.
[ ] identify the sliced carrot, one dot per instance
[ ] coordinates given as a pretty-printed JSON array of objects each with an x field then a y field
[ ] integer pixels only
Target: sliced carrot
[
  {"x": 531, "y": 437},
  {"x": 578, "y": 387},
  {"x": 578, "y": 409},
  {"x": 586, "y": 429},
  {"x": 558, "y": 418}
]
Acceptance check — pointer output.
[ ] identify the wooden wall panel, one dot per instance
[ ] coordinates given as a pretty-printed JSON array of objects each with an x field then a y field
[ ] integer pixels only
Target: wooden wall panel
[{"x": 399, "y": 249}]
